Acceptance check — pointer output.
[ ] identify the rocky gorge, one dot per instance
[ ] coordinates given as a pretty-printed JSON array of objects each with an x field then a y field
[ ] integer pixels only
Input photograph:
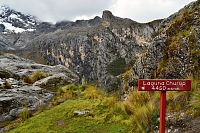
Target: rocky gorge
[{"x": 101, "y": 49}]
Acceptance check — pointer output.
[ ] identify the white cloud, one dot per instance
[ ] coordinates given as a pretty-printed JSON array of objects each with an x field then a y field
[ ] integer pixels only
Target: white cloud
[
  {"x": 57, "y": 10},
  {"x": 147, "y": 10}
]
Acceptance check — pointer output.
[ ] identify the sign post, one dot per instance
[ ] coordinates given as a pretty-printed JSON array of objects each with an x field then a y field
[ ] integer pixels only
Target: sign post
[
  {"x": 162, "y": 111},
  {"x": 163, "y": 85}
]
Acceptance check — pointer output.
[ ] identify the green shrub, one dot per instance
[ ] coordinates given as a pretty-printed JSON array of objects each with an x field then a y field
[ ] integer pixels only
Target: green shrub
[
  {"x": 92, "y": 92},
  {"x": 117, "y": 66},
  {"x": 125, "y": 78},
  {"x": 161, "y": 67}
]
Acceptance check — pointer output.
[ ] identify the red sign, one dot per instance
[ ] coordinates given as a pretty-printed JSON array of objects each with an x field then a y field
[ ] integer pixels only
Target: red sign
[{"x": 164, "y": 85}]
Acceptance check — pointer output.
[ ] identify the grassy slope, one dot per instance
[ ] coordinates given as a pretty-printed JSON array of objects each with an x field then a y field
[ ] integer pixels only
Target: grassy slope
[
  {"x": 62, "y": 119},
  {"x": 107, "y": 114}
]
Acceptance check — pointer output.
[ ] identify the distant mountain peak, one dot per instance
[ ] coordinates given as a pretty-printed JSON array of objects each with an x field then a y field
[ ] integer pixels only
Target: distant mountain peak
[{"x": 15, "y": 21}]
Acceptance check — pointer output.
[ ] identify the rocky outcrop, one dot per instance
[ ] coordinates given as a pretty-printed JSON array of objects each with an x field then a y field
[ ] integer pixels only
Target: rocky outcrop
[
  {"x": 9, "y": 83},
  {"x": 54, "y": 80},
  {"x": 16, "y": 96}
]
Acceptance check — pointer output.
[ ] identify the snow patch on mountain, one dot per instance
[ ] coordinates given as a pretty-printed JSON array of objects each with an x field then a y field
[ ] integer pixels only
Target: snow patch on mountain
[{"x": 12, "y": 28}]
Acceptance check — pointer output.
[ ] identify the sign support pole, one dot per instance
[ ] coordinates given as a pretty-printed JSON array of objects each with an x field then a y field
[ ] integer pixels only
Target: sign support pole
[{"x": 162, "y": 111}]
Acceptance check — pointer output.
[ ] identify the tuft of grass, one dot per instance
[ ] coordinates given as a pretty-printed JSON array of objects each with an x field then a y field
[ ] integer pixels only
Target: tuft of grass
[
  {"x": 147, "y": 103},
  {"x": 195, "y": 100},
  {"x": 147, "y": 120},
  {"x": 35, "y": 76},
  {"x": 64, "y": 93},
  {"x": 177, "y": 101},
  {"x": 25, "y": 114}
]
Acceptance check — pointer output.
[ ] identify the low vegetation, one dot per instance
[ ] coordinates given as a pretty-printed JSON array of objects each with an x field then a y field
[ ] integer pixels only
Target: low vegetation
[{"x": 87, "y": 109}]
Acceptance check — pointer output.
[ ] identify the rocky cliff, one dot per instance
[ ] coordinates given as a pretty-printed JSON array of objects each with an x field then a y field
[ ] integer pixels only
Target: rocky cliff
[
  {"x": 99, "y": 49},
  {"x": 175, "y": 51}
]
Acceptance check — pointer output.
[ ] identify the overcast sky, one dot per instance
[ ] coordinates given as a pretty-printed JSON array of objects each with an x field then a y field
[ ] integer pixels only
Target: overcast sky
[{"x": 57, "y": 10}]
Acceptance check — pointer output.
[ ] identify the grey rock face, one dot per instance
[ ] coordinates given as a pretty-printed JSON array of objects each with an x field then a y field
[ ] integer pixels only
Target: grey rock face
[
  {"x": 146, "y": 64},
  {"x": 14, "y": 101}
]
